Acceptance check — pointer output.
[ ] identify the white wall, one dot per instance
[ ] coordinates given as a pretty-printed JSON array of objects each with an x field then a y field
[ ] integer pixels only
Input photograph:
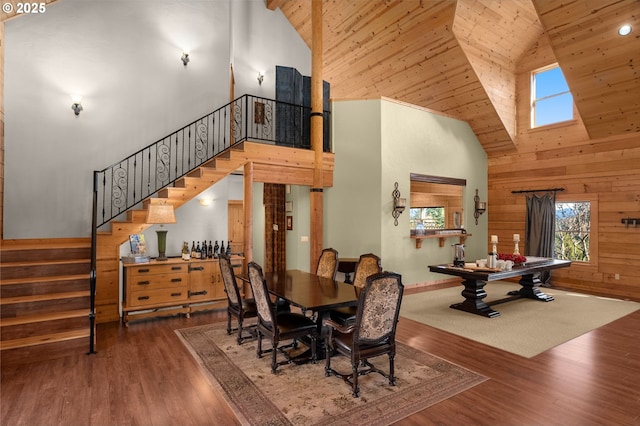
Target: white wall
[
  {"x": 378, "y": 143},
  {"x": 123, "y": 59}
]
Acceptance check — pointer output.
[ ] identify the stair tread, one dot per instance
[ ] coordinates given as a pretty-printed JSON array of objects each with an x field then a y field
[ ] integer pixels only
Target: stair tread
[
  {"x": 44, "y": 297},
  {"x": 13, "y": 281},
  {"x": 9, "y": 245},
  {"x": 50, "y": 316},
  {"x": 43, "y": 339},
  {"x": 32, "y": 262}
]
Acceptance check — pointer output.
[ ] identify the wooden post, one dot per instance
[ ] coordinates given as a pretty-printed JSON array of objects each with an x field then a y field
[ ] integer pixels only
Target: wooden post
[
  {"x": 316, "y": 196},
  {"x": 248, "y": 212}
]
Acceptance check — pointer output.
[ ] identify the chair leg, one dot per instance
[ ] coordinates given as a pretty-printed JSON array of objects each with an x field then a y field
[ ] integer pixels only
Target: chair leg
[
  {"x": 392, "y": 377},
  {"x": 259, "y": 346},
  {"x": 240, "y": 330},
  {"x": 274, "y": 356},
  {"x": 356, "y": 387},
  {"x": 314, "y": 355},
  {"x": 228, "y": 322},
  {"x": 327, "y": 359}
]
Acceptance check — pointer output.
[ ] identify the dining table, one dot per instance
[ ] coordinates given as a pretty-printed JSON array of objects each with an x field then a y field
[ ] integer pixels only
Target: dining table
[{"x": 475, "y": 278}]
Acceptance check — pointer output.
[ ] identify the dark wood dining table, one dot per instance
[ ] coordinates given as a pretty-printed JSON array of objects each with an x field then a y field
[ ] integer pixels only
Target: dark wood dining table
[
  {"x": 475, "y": 279},
  {"x": 309, "y": 291}
]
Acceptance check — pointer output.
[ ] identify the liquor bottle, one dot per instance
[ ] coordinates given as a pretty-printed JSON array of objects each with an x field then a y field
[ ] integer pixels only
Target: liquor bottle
[
  {"x": 210, "y": 250},
  {"x": 222, "y": 249},
  {"x": 193, "y": 249},
  {"x": 215, "y": 250},
  {"x": 198, "y": 251},
  {"x": 186, "y": 255}
]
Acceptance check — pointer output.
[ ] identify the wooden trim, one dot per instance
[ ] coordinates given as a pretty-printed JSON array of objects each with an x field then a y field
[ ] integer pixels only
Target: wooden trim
[{"x": 437, "y": 179}]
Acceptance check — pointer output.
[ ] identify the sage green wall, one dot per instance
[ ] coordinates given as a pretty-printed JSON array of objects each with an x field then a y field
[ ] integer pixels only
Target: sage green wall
[
  {"x": 379, "y": 142},
  {"x": 298, "y": 251},
  {"x": 352, "y": 215}
]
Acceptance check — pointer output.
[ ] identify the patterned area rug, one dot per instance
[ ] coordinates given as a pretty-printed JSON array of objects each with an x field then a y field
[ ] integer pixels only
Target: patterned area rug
[{"x": 302, "y": 395}]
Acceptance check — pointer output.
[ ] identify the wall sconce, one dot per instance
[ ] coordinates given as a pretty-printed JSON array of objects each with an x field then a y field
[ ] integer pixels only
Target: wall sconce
[
  {"x": 205, "y": 201},
  {"x": 185, "y": 58},
  {"x": 260, "y": 78},
  {"x": 399, "y": 204},
  {"x": 480, "y": 206},
  {"x": 76, "y": 107}
]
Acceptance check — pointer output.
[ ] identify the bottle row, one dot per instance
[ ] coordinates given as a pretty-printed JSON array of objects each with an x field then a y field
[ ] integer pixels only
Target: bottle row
[{"x": 206, "y": 252}]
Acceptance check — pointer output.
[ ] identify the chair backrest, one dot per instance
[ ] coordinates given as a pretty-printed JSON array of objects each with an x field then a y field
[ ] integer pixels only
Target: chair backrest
[
  {"x": 328, "y": 264},
  {"x": 229, "y": 280},
  {"x": 261, "y": 295},
  {"x": 378, "y": 308},
  {"x": 368, "y": 264}
]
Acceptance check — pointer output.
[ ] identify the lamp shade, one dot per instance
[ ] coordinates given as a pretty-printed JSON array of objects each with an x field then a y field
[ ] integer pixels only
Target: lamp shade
[{"x": 160, "y": 213}]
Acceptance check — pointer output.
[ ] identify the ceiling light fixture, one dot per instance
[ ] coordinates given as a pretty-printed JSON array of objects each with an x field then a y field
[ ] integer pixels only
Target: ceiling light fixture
[{"x": 624, "y": 30}]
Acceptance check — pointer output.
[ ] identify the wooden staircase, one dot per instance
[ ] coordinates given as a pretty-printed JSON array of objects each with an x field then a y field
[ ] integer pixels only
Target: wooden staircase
[{"x": 44, "y": 299}]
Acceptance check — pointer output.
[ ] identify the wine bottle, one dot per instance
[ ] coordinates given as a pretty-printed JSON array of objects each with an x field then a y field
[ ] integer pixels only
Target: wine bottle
[
  {"x": 186, "y": 255},
  {"x": 203, "y": 255},
  {"x": 216, "y": 248},
  {"x": 229, "y": 248},
  {"x": 193, "y": 249},
  {"x": 210, "y": 250},
  {"x": 198, "y": 251},
  {"x": 222, "y": 249}
]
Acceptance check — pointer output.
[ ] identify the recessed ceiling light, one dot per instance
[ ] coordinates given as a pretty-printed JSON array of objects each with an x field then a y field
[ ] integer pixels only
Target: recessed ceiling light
[{"x": 624, "y": 30}]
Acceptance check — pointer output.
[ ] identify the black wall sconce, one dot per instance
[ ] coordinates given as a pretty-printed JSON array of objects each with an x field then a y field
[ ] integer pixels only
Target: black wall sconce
[
  {"x": 480, "y": 206},
  {"x": 76, "y": 107},
  {"x": 185, "y": 58},
  {"x": 399, "y": 204},
  {"x": 260, "y": 78}
]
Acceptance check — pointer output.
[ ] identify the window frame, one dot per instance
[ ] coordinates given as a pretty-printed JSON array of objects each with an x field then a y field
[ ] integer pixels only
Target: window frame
[
  {"x": 593, "y": 237},
  {"x": 533, "y": 100}
]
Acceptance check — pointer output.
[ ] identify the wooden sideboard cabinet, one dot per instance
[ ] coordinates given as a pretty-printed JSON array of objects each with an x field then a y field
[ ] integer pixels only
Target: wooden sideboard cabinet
[{"x": 171, "y": 287}]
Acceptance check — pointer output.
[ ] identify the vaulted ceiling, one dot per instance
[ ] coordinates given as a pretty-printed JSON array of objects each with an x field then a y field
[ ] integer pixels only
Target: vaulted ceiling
[{"x": 459, "y": 57}]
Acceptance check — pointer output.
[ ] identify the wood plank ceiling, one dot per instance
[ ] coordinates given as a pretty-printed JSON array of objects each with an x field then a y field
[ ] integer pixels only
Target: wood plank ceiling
[{"x": 459, "y": 57}]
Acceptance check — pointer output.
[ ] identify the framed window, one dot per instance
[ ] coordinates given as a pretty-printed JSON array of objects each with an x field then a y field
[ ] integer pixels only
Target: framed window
[
  {"x": 551, "y": 100},
  {"x": 576, "y": 236},
  {"x": 425, "y": 218}
]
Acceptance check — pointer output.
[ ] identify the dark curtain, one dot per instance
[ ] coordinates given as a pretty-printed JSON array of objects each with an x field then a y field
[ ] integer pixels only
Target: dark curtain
[
  {"x": 540, "y": 228},
  {"x": 275, "y": 253}
]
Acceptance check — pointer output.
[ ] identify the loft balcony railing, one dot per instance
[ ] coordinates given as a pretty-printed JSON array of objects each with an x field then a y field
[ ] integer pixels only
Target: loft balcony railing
[{"x": 126, "y": 183}]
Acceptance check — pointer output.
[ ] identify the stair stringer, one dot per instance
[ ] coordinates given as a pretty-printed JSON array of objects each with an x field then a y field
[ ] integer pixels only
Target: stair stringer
[{"x": 271, "y": 163}]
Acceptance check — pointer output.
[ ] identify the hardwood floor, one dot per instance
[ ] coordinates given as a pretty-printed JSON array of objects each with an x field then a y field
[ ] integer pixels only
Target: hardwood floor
[{"x": 143, "y": 375}]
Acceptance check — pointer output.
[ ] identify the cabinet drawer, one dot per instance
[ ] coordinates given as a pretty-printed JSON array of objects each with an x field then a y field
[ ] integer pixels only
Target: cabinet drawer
[
  {"x": 154, "y": 282},
  {"x": 177, "y": 294},
  {"x": 173, "y": 268}
]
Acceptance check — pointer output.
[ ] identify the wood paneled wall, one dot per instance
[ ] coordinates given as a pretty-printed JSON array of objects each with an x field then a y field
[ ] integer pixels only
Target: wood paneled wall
[
  {"x": 1, "y": 130},
  {"x": 605, "y": 171}
]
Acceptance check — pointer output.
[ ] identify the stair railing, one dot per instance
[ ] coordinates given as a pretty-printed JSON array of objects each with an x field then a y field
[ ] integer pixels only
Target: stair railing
[{"x": 128, "y": 182}]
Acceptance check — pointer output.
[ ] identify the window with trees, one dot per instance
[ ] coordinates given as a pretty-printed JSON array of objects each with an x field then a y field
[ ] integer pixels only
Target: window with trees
[
  {"x": 573, "y": 231},
  {"x": 551, "y": 100}
]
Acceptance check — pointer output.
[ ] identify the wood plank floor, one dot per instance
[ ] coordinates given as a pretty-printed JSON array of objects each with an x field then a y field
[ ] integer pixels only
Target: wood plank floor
[{"x": 142, "y": 375}]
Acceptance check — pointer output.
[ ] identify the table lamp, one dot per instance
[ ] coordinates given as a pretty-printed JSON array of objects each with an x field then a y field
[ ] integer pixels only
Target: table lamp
[{"x": 160, "y": 212}]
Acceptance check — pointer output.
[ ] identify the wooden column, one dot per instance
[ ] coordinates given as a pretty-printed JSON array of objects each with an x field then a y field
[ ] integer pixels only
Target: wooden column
[
  {"x": 248, "y": 212},
  {"x": 2, "y": 130},
  {"x": 316, "y": 132}
]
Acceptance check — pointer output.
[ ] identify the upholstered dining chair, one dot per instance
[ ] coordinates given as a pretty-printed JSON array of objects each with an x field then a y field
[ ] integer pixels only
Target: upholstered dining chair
[
  {"x": 373, "y": 333},
  {"x": 237, "y": 307},
  {"x": 368, "y": 264},
  {"x": 281, "y": 326},
  {"x": 328, "y": 263}
]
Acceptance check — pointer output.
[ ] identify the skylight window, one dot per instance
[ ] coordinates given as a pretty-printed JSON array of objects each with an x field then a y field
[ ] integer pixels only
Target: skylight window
[{"x": 551, "y": 100}]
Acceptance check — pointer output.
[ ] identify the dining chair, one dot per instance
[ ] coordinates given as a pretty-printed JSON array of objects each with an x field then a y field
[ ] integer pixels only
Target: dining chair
[
  {"x": 237, "y": 306},
  {"x": 373, "y": 333},
  {"x": 278, "y": 327},
  {"x": 368, "y": 264},
  {"x": 328, "y": 263}
]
